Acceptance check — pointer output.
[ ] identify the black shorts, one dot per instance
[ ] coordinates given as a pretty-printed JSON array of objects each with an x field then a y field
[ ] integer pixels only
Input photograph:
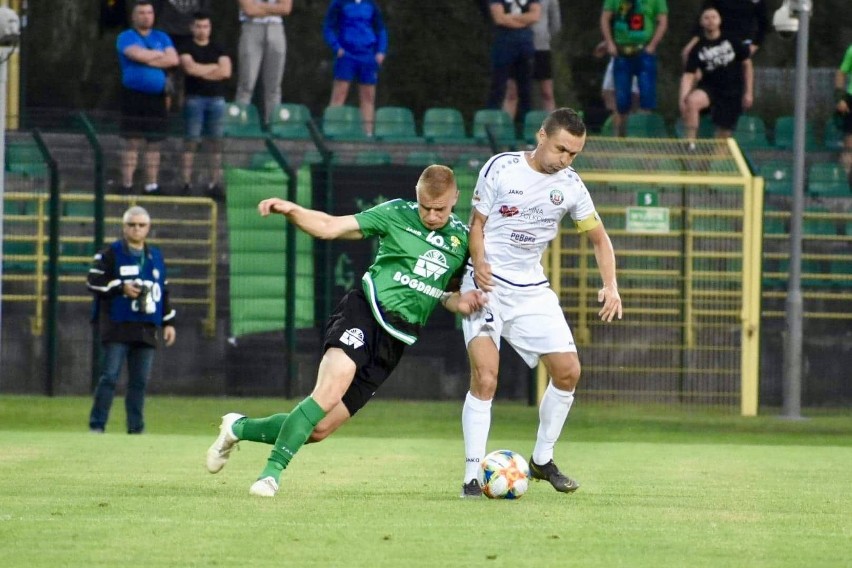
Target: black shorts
[
  {"x": 542, "y": 66},
  {"x": 846, "y": 119},
  {"x": 725, "y": 107},
  {"x": 375, "y": 352},
  {"x": 143, "y": 115}
]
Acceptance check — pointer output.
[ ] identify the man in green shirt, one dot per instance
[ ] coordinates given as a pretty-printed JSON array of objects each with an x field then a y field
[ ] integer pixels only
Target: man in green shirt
[
  {"x": 843, "y": 90},
  {"x": 632, "y": 30},
  {"x": 422, "y": 251}
]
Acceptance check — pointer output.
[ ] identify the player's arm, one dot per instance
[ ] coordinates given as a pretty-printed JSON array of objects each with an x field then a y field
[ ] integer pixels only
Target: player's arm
[
  {"x": 316, "y": 223},
  {"x": 190, "y": 67},
  {"x": 476, "y": 244},
  {"x": 748, "y": 81},
  {"x": 466, "y": 303},
  {"x": 605, "y": 257},
  {"x": 684, "y": 54},
  {"x": 606, "y": 32},
  {"x": 221, "y": 69},
  {"x": 501, "y": 18}
]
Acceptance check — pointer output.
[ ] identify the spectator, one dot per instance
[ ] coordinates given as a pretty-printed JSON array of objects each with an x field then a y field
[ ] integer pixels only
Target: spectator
[
  {"x": 843, "y": 91},
  {"x": 632, "y": 31},
  {"x": 608, "y": 89},
  {"x": 207, "y": 67},
  {"x": 742, "y": 22},
  {"x": 356, "y": 33},
  {"x": 175, "y": 18},
  {"x": 143, "y": 54},
  {"x": 262, "y": 51},
  {"x": 131, "y": 291},
  {"x": 726, "y": 84},
  {"x": 512, "y": 51},
  {"x": 548, "y": 25}
]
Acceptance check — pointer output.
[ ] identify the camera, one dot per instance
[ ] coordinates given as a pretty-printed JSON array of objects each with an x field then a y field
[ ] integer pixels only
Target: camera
[
  {"x": 145, "y": 300},
  {"x": 10, "y": 27},
  {"x": 786, "y": 18}
]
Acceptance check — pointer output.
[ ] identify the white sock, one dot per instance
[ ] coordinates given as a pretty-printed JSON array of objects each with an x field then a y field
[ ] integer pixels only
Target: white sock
[
  {"x": 476, "y": 421},
  {"x": 552, "y": 413}
]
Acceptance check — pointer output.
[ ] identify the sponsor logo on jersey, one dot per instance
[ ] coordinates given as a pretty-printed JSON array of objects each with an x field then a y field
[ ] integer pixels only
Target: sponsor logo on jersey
[
  {"x": 476, "y": 197},
  {"x": 419, "y": 285},
  {"x": 507, "y": 211},
  {"x": 455, "y": 242},
  {"x": 413, "y": 231},
  {"x": 522, "y": 238},
  {"x": 536, "y": 216},
  {"x": 556, "y": 197},
  {"x": 353, "y": 337},
  {"x": 516, "y": 192},
  {"x": 431, "y": 264}
]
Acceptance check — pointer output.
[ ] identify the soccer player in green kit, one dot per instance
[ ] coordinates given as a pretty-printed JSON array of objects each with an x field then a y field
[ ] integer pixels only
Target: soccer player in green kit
[{"x": 422, "y": 252}]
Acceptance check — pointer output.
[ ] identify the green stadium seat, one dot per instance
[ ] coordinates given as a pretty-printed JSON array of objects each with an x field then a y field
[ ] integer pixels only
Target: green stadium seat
[
  {"x": 832, "y": 138},
  {"x": 828, "y": 180},
  {"x": 78, "y": 209},
  {"x": 315, "y": 157},
  {"x": 473, "y": 162},
  {"x": 750, "y": 132},
  {"x": 242, "y": 121},
  {"x": 342, "y": 123},
  {"x": 395, "y": 124},
  {"x": 713, "y": 223},
  {"x": 423, "y": 158},
  {"x": 289, "y": 121},
  {"x": 83, "y": 253},
  {"x": 12, "y": 253},
  {"x": 784, "y": 130},
  {"x": 262, "y": 161},
  {"x": 607, "y": 128},
  {"x": 498, "y": 122},
  {"x": 706, "y": 128},
  {"x": 373, "y": 158},
  {"x": 532, "y": 124},
  {"x": 777, "y": 176},
  {"x": 12, "y": 207},
  {"x": 646, "y": 125},
  {"x": 25, "y": 158},
  {"x": 445, "y": 126}
]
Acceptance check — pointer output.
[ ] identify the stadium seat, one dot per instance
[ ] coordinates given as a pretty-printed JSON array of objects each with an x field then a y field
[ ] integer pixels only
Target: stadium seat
[
  {"x": 750, "y": 132},
  {"x": 289, "y": 121},
  {"x": 84, "y": 209},
  {"x": 706, "y": 128},
  {"x": 532, "y": 124},
  {"x": 444, "y": 126},
  {"x": 242, "y": 121},
  {"x": 828, "y": 180},
  {"x": 12, "y": 253},
  {"x": 373, "y": 158},
  {"x": 784, "y": 130},
  {"x": 342, "y": 123},
  {"x": 262, "y": 161},
  {"x": 817, "y": 226},
  {"x": 423, "y": 158},
  {"x": 646, "y": 125},
  {"x": 25, "y": 158},
  {"x": 607, "y": 128},
  {"x": 832, "y": 138},
  {"x": 395, "y": 124},
  {"x": 315, "y": 157},
  {"x": 498, "y": 123},
  {"x": 778, "y": 177},
  {"x": 83, "y": 253},
  {"x": 470, "y": 162}
]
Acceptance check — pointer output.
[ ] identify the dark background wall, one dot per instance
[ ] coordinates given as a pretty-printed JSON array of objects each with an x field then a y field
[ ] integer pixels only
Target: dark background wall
[{"x": 438, "y": 52}]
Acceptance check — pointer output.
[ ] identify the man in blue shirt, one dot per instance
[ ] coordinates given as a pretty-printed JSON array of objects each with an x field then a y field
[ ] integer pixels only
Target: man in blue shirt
[
  {"x": 143, "y": 54},
  {"x": 356, "y": 33}
]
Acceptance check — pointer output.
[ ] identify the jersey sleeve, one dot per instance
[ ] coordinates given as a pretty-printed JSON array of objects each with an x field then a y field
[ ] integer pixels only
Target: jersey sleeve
[
  {"x": 484, "y": 193},
  {"x": 125, "y": 40},
  {"x": 583, "y": 213},
  {"x": 375, "y": 221},
  {"x": 846, "y": 65}
]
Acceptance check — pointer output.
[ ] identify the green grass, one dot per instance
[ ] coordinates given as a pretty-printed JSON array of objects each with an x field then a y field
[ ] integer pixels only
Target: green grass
[{"x": 660, "y": 487}]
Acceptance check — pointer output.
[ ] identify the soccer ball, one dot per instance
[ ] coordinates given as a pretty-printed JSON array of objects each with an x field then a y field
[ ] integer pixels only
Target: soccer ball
[{"x": 504, "y": 475}]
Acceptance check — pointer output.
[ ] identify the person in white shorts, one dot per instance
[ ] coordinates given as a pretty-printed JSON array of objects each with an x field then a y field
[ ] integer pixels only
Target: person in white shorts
[
  {"x": 518, "y": 204},
  {"x": 608, "y": 89}
]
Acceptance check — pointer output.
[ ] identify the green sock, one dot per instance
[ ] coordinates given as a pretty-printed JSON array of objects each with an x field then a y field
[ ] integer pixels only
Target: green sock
[
  {"x": 263, "y": 430},
  {"x": 294, "y": 433}
]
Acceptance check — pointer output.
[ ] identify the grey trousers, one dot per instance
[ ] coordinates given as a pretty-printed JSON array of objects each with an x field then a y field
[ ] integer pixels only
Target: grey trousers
[{"x": 262, "y": 48}]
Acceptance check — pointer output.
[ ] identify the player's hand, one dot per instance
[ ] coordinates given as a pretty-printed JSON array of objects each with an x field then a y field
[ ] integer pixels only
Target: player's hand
[
  {"x": 611, "y": 303},
  {"x": 169, "y": 335},
  {"x": 471, "y": 301},
  {"x": 483, "y": 277},
  {"x": 275, "y": 205},
  {"x": 131, "y": 290},
  {"x": 611, "y": 48}
]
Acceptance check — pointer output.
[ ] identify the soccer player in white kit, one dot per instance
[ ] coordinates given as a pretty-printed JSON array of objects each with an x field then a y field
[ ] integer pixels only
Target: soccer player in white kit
[{"x": 519, "y": 202}]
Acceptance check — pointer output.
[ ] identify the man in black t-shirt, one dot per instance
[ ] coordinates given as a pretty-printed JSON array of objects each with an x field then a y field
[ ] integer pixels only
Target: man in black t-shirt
[
  {"x": 727, "y": 79},
  {"x": 207, "y": 68}
]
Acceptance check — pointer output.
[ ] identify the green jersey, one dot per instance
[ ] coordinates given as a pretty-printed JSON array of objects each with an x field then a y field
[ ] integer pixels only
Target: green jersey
[
  {"x": 846, "y": 69},
  {"x": 413, "y": 265},
  {"x": 634, "y": 21}
]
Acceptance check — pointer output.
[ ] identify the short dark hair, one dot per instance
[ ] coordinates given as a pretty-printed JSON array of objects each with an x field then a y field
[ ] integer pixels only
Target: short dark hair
[
  {"x": 566, "y": 118},
  {"x": 143, "y": 3},
  {"x": 201, "y": 16}
]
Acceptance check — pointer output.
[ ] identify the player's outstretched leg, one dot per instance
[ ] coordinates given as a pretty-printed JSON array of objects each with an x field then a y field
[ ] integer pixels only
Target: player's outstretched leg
[{"x": 226, "y": 441}]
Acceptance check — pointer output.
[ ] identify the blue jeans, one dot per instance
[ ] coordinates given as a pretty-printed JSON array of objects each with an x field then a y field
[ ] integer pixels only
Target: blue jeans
[
  {"x": 643, "y": 66},
  {"x": 204, "y": 116},
  {"x": 140, "y": 359}
]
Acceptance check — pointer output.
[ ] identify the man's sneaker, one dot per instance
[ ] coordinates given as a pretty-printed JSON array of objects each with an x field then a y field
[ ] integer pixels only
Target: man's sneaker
[
  {"x": 549, "y": 472},
  {"x": 471, "y": 489},
  {"x": 220, "y": 451},
  {"x": 266, "y": 487}
]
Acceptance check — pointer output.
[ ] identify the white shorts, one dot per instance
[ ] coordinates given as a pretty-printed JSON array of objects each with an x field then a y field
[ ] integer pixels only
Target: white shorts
[
  {"x": 608, "y": 83},
  {"x": 529, "y": 319}
]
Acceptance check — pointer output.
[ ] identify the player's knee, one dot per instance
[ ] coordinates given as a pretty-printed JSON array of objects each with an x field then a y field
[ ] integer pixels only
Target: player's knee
[
  {"x": 483, "y": 382},
  {"x": 568, "y": 378}
]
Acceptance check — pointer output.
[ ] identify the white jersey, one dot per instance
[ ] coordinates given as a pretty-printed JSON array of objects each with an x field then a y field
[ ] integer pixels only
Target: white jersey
[{"x": 523, "y": 210}]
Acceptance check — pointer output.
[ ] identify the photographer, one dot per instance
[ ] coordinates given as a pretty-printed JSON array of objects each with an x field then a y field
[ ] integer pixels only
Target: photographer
[{"x": 128, "y": 279}]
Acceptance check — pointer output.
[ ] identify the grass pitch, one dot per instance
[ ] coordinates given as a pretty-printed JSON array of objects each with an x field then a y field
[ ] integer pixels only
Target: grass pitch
[{"x": 660, "y": 487}]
